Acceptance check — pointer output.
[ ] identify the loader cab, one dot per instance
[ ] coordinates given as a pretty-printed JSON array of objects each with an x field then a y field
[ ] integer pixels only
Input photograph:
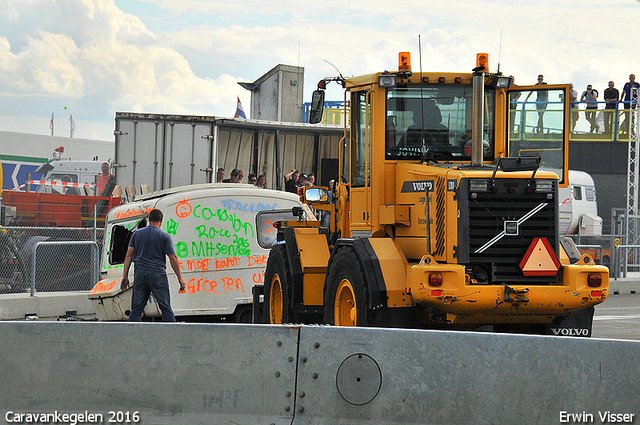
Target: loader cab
[
  {"x": 407, "y": 128},
  {"x": 433, "y": 120}
]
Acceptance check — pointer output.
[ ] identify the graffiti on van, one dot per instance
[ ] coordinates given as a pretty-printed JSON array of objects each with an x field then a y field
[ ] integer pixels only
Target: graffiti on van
[
  {"x": 132, "y": 213},
  {"x": 230, "y": 204},
  {"x": 223, "y": 216},
  {"x": 220, "y": 286},
  {"x": 183, "y": 208}
]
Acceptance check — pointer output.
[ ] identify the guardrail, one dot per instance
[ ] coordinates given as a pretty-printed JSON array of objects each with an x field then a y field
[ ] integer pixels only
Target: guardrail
[
  {"x": 70, "y": 268},
  {"x": 597, "y": 249},
  {"x": 270, "y": 374},
  {"x": 629, "y": 259}
]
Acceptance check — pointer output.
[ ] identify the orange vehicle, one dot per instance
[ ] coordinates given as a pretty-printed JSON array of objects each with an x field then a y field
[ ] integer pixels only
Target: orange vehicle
[
  {"x": 445, "y": 213},
  {"x": 58, "y": 210}
]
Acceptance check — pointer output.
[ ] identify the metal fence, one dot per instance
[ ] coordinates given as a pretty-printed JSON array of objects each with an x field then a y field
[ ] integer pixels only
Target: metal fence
[{"x": 48, "y": 259}]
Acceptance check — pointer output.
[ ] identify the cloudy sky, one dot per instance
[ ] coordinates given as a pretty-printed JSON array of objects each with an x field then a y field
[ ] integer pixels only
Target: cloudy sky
[{"x": 92, "y": 58}]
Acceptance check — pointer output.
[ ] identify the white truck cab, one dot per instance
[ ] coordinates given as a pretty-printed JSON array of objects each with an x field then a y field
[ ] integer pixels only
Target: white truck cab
[
  {"x": 222, "y": 234},
  {"x": 83, "y": 172},
  {"x": 578, "y": 207}
]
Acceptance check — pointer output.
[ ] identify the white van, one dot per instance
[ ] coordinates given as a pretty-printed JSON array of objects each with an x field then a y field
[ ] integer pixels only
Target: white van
[
  {"x": 222, "y": 235},
  {"x": 578, "y": 207}
]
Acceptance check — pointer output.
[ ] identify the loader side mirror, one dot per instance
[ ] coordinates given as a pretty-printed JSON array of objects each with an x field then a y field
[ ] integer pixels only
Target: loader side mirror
[
  {"x": 317, "y": 107},
  {"x": 316, "y": 194}
]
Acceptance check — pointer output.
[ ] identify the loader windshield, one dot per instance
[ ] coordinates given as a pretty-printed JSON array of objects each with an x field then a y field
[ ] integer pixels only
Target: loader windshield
[
  {"x": 439, "y": 114},
  {"x": 537, "y": 126}
]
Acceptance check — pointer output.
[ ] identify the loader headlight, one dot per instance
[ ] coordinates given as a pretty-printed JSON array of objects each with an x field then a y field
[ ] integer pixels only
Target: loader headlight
[
  {"x": 500, "y": 81},
  {"x": 387, "y": 80},
  {"x": 543, "y": 186},
  {"x": 479, "y": 185}
]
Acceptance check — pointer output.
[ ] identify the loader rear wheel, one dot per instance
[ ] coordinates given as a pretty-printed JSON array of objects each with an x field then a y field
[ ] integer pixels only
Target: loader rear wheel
[
  {"x": 345, "y": 297},
  {"x": 276, "y": 288}
]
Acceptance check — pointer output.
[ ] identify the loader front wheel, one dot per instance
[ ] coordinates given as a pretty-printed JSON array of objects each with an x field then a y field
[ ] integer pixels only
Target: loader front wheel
[{"x": 276, "y": 288}]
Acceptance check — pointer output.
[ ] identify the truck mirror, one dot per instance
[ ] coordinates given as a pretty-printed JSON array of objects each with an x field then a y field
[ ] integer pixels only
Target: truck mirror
[{"x": 317, "y": 107}]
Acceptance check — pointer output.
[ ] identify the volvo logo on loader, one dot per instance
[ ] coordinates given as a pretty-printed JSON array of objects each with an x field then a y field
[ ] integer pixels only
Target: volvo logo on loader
[
  {"x": 417, "y": 186},
  {"x": 511, "y": 228},
  {"x": 570, "y": 331}
]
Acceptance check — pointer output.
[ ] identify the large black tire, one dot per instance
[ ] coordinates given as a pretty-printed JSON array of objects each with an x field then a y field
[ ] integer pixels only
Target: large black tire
[
  {"x": 277, "y": 288},
  {"x": 346, "y": 293}
]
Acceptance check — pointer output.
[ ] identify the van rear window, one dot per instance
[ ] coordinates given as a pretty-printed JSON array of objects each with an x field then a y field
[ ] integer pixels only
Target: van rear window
[{"x": 120, "y": 237}]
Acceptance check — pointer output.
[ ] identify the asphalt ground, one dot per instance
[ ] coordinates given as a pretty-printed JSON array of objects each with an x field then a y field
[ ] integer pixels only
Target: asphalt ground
[{"x": 618, "y": 317}]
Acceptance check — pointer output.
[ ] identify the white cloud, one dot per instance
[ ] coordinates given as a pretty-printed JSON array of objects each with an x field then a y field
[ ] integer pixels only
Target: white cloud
[
  {"x": 97, "y": 59},
  {"x": 106, "y": 61}
]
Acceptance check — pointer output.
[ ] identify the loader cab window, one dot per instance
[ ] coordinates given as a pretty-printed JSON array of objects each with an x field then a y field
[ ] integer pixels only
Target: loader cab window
[
  {"x": 441, "y": 116},
  {"x": 536, "y": 126},
  {"x": 360, "y": 139}
]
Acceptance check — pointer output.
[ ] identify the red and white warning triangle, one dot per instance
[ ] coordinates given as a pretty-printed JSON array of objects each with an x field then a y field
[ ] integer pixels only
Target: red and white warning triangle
[{"x": 540, "y": 260}]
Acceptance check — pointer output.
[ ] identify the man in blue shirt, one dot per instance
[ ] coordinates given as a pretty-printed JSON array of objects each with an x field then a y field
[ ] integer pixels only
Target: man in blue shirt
[
  {"x": 148, "y": 249},
  {"x": 626, "y": 99}
]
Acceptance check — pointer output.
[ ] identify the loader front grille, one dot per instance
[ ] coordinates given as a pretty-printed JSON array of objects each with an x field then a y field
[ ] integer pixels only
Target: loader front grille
[{"x": 483, "y": 218}]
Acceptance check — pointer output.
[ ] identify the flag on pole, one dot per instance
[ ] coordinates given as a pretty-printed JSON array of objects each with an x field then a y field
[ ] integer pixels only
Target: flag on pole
[
  {"x": 239, "y": 111},
  {"x": 51, "y": 124},
  {"x": 72, "y": 126}
]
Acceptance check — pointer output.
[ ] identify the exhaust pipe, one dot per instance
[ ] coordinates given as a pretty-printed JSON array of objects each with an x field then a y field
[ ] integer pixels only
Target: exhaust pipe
[{"x": 477, "y": 121}]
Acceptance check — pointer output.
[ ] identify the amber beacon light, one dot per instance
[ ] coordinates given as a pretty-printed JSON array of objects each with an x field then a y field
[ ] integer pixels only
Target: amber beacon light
[
  {"x": 482, "y": 61},
  {"x": 404, "y": 62}
]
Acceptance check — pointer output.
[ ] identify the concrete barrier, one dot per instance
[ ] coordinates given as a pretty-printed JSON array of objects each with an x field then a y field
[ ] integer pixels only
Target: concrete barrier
[
  {"x": 163, "y": 373},
  {"x": 263, "y": 374},
  {"x": 431, "y": 377},
  {"x": 45, "y": 304},
  {"x": 624, "y": 286}
]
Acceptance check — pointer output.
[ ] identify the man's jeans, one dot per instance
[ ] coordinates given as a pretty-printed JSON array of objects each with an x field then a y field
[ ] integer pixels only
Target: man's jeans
[{"x": 145, "y": 284}]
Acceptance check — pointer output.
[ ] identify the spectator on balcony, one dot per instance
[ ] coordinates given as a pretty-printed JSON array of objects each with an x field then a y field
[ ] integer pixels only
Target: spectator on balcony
[
  {"x": 542, "y": 99},
  {"x": 575, "y": 113},
  {"x": 611, "y": 96},
  {"x": 590, "y": 96},
  {"x": 253, "y": 179},
  {"x": 628, "y": 102},
  {"x": 311, "y": 177}
]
